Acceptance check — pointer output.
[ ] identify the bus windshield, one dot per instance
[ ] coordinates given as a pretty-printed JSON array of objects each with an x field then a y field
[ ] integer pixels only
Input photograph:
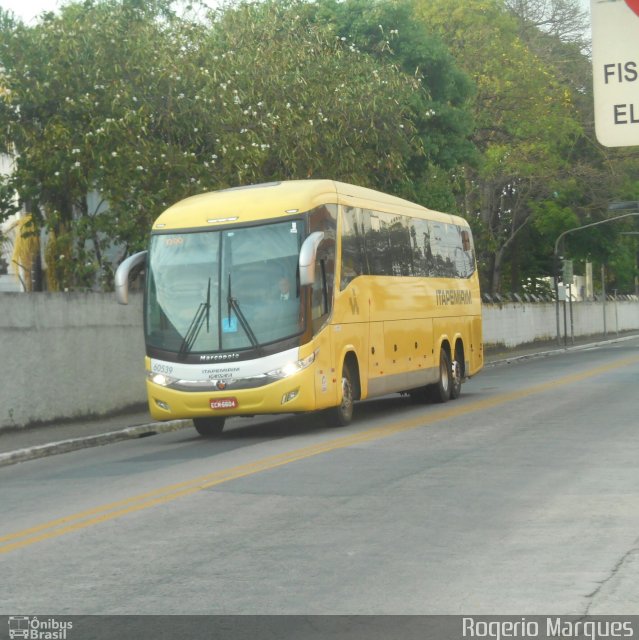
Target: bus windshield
[{"x": 212, "y": 291}]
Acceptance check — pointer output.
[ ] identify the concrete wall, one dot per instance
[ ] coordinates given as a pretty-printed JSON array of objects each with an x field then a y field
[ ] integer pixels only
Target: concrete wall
[
  {"x": 66, "y": 355},
  {"x": 69, "y": 355},
  {"x": 512, "y": 324}
]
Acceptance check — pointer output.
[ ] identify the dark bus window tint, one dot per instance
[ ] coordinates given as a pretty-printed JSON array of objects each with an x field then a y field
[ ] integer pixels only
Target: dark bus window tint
[
  {"x": 384, "y": 244},
  {"x": 466, "y": 267},
  {"x": 353, "y": 260},
  {"x": 401, "y": 253},
  {"x": 323, "y": 219},
  {"x": 378, "y": 247},
  {"x": 423, "y": 259},
  {"x": 438, "y": 232}
]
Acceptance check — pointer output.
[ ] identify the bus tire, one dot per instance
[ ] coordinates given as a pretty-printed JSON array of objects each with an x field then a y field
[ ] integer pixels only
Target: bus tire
[
  {"x": 342, "y": 414},
  {"x": 209, "y": 427},
  {"x": 440, "y": 391},
  {"x": 455, "y": 379}
]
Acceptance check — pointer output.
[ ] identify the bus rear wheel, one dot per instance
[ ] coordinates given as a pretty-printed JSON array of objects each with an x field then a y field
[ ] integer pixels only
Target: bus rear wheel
[
  {"x": 455, "y": 379},
  {"x": 342, "y": 414},
  {"x": 441, "y": 390},
  {"x": 209, "y": 427}
]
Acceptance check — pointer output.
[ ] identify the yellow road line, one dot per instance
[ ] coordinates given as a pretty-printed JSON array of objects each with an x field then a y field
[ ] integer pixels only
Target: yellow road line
[{"x": 103, "y": 513}]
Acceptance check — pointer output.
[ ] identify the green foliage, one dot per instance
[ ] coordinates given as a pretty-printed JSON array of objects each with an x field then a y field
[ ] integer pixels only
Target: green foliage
[
  {"x": 525, "y": 120},
  {"x": 482, "y": 107},
  {"x": 146, "y": 107},
  {"x": 389, "y": 31},
  {"x": 294, "y": 100}
]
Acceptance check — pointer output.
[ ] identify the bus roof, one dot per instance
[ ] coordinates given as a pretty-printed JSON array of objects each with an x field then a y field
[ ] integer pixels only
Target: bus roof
[{"x": 275, "y": 199}]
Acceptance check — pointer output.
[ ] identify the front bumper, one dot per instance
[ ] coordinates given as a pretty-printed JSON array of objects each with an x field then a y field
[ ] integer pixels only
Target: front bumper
[{"x": 295, "y": 393}]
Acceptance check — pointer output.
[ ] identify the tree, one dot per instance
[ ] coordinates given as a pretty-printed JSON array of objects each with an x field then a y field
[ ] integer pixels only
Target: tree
[
  {"x": 525, "y": 121},
  {"x": 565, "y": 21},
  {"x": 144, "y": 106},
  {"x": 592, "y": 177},
  {"x": 390, "y": 33},
  {"x": 70, "y": 118}
]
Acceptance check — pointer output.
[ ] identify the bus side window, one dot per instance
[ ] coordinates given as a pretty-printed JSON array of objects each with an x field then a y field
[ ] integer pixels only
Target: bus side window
[
  {"x": 352, "y": 246},
  {"x": 465, "y": 236},
  {"x": 466, "y": 256},
  {"x": 322, "y": 290}
]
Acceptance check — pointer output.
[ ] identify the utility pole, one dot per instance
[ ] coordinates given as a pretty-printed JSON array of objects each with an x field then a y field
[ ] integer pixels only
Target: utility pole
[{"x": 614, "y": 206}]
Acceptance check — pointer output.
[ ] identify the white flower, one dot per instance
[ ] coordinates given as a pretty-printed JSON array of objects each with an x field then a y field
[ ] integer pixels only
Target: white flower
[{"x": 114, "y": 154}]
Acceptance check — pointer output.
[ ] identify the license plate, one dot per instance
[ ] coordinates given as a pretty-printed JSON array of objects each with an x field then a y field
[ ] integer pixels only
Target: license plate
[{"x": 223, "y": 403}]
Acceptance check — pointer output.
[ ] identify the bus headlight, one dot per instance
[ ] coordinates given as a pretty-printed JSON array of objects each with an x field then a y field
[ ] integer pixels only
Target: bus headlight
[
  {"x": 160, "y": 378},
  {"x": 293, "y": 367}
]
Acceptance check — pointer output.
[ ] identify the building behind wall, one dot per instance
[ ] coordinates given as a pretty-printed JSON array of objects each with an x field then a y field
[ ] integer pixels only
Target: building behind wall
[{"x": 9, "y": 272}]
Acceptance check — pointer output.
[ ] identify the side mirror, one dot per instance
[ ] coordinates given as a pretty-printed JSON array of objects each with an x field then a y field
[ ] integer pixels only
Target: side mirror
[
  {"x": 308, "y": 253},
  {"x": 122, "y": 275}
]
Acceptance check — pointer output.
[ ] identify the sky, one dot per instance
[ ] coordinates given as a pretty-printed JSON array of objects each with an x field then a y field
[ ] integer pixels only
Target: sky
[{"x": 29, "y": 9}]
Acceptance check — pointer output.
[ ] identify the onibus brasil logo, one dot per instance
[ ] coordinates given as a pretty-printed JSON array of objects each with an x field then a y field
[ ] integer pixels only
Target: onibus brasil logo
[{"x": 34, "y": 628}]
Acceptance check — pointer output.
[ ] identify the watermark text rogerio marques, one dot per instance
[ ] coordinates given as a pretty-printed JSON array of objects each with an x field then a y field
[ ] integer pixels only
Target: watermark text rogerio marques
[{"x": 546, "y": 627}]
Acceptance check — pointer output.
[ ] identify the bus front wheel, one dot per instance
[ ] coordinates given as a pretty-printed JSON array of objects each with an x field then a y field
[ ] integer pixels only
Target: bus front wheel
[
  {"x": 441, "y": 390},
  {"x": 209, "y": 427},
  {"x": 342, "y": 414}
]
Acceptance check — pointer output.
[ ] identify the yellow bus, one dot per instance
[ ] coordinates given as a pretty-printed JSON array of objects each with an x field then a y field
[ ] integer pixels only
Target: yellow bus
[{"x": 304, "y": 295}]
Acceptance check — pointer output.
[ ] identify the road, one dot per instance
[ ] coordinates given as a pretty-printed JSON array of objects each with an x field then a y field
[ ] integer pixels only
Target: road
[{"x": 521, "y": 497}]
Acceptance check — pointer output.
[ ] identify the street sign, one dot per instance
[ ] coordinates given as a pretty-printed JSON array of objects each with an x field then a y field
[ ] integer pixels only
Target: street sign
[
  {"x": 615, "y": 65},
  {"x": 567, "y": 272}
]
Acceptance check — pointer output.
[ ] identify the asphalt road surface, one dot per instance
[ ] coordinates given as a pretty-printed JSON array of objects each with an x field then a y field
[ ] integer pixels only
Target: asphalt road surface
[{"x": 521, "y": 497}]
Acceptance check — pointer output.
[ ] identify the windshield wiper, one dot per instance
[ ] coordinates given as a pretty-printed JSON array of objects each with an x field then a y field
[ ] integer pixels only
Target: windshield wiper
[
  {"x": 233, "y": 304},
  {"x": 203, "y": 313}
]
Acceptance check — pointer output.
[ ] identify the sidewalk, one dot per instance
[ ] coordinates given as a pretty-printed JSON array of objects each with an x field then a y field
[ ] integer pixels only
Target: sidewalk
[{"x": 18, "y": 445}]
